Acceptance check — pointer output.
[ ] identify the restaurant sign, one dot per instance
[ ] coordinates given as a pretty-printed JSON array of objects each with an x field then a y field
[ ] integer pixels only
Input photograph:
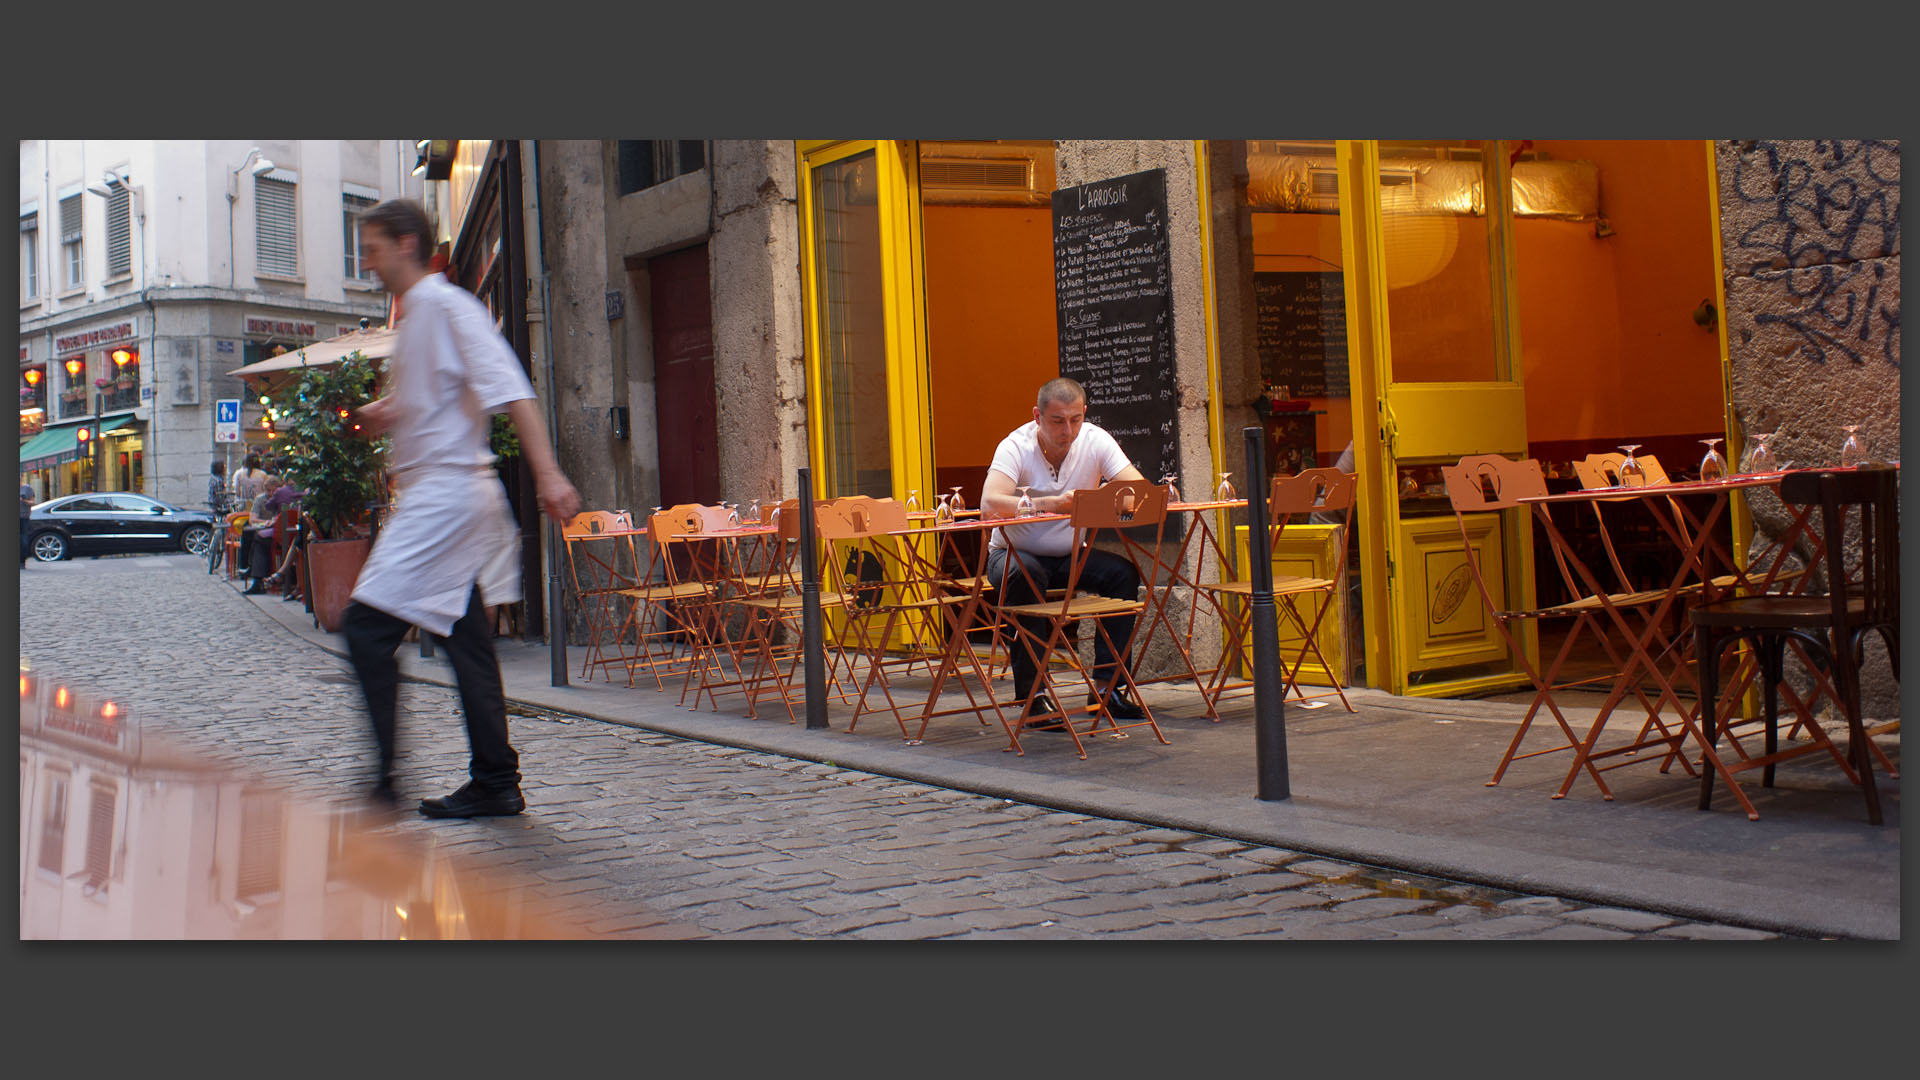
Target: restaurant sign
[
  {"x": 87, "y": 339},
  {"x": 280, "y": 327}
]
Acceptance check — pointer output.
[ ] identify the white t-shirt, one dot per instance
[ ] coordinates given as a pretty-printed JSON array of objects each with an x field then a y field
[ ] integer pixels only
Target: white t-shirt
[
  {"x": 1093, "y": 459},
  {"x": 451, "y": 371}
]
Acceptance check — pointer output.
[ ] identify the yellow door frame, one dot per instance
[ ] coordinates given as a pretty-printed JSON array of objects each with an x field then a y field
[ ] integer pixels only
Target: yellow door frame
[
  {"x": 1440, "y": 419},
  {"x": 903, "y": 297}
]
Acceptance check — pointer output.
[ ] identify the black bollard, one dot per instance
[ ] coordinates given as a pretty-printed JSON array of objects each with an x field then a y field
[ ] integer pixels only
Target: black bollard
[
  {"x": 1269, "y": 683},
  {"x": 812, "y": 642}
]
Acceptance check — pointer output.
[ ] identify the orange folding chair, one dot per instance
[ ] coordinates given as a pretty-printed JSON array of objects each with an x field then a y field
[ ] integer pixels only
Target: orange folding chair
[
  {"x": 1313, "y": 491},
  {"x": 234, "y": 541},
  {"x": 771, "y": 601},
  {"x": 1120, "y": 504},
  {"x": 602, "y": 565},
  {"x": 1491, "y": 483}
]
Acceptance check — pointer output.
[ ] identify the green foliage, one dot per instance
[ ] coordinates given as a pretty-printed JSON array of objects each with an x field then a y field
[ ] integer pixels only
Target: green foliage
[
  {"x": 336, "y": 465},
  {"x": 503, "y": 440}
]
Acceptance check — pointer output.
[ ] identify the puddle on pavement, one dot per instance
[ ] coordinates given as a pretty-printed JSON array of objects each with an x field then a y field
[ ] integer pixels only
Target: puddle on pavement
[{"x": 128, "y": 836}]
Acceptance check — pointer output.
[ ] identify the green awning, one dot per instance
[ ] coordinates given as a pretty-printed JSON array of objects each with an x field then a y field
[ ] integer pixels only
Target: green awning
[{"x": 58, "y": 445}]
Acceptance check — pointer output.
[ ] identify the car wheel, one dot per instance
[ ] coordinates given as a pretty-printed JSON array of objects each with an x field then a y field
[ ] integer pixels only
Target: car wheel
[
  {"x": 196, "y": 540},
  {"x": 49, "y": 547}
]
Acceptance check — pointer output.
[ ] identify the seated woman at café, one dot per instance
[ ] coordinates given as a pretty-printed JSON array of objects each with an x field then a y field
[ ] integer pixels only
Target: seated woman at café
[{"x": 265, "y": 513}]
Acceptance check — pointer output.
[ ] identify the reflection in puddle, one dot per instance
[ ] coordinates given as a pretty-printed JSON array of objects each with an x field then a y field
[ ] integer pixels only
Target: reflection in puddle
[{"x": 126, "y": 836}]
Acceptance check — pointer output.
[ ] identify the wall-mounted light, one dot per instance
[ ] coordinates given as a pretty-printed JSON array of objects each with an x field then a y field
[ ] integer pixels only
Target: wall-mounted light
[
  {"x": 435, "y": 158},
  {"x": 120, "y": 358},
  {"x": 32, "y": 375},
  {"x": 74, "y": 366}
]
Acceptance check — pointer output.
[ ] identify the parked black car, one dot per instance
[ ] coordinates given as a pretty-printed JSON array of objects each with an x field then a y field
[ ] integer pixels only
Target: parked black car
[{"x": 116, "y": 523}]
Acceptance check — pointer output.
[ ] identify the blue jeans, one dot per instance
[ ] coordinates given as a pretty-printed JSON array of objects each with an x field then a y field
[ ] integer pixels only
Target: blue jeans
[{"x": 1104, "y": 573}]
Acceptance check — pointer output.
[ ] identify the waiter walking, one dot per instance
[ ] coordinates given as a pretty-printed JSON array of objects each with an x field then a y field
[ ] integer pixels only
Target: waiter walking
[{"x": 449, "y": 373}]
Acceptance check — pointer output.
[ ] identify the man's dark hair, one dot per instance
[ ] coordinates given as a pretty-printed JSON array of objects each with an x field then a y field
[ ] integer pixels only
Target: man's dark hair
[
  {"x": 401, "y": 218},
  {"x": 1063, "y": 390},
  {"x": 253, "y": 461},
  {"x": 219, "y": 468}
]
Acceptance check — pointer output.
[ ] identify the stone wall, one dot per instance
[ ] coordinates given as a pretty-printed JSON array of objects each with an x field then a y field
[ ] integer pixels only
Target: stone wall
[
  {"x": 1810, "y": 231},
  {"x": 1079, "y": 162}
]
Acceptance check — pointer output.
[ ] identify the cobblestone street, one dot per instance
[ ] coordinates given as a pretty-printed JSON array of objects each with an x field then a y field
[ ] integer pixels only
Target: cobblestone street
[{"x": 630, "y": 832}]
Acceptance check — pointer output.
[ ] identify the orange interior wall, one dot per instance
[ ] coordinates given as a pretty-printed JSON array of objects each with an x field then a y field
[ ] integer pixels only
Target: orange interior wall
[
  {"x": 1610, "y": 349},
  {"x": 992, "y": 331},
  {"x": 1307, "y": 242}
]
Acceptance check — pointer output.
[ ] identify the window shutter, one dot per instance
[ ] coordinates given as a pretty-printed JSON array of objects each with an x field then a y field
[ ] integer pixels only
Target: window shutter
[
  {"x": 275, "y": 247},
  {"x": 30, "y": 222},
  {"x": 100, "y": 836},
  {"x": 119, "y": 230},
  {"x": 70, "y": 219},
  {"x": 260, "y": 845},
  {"x": 352, "y": 206}
]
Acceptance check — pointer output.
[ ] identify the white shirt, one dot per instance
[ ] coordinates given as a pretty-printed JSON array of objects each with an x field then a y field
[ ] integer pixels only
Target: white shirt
[
  {"x": 451, "y": 527},
  {"x": 450, "y": 372},
  {"x": 1093, "y": 458}
]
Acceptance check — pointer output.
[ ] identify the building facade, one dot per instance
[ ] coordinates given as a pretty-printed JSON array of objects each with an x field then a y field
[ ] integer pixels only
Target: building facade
[
  {"x": 723, "y": 313},
  {"x": 151, "y": 269}
]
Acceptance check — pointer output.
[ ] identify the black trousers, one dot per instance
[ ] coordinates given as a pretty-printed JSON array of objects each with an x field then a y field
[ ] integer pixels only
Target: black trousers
[
  {"x": 373, "y": 636},
  {"x": 1105, "y": 573}
]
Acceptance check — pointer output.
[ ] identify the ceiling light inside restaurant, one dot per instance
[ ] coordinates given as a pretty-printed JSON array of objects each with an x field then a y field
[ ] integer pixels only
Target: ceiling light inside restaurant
[{"x": 1419, "y": 242}]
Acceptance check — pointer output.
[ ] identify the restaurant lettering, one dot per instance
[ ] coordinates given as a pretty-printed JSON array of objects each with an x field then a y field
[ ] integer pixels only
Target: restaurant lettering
[
  {"x": 108, "y": 733},
  {"x": 86, "y": 339},
  {"x": 280, "y": 327}
]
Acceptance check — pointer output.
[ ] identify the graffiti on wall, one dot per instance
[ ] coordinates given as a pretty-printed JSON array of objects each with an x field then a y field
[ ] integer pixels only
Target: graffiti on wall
[{"x": 1827, "y": 212}]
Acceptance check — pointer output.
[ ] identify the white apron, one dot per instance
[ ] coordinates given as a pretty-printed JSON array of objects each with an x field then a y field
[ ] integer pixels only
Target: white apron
[{"x": 451, "y": 529}]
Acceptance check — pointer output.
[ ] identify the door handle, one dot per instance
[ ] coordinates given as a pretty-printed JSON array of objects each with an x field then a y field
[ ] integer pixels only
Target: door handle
[{"x": 1389, "y": 428}]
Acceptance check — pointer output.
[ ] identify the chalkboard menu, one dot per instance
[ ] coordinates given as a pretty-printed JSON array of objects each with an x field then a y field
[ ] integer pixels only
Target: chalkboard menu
[
  {"x": 1300, "y": 331},
  {"x": 1113, "y": 285}
]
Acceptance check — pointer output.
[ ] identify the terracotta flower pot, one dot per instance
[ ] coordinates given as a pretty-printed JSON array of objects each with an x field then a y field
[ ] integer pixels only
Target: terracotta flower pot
[{"x": 333, "y": 567}]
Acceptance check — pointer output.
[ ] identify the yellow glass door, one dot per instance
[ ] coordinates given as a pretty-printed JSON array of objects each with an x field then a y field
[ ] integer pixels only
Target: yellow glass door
[
  {"x": 870, "y": 427},
  {"x": 1426, "y": 236}
]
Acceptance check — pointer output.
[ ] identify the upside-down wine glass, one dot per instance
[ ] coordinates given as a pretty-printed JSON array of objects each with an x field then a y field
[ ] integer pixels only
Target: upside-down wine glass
[
  {"x": 1713, "y": 466},
  {"x": 913, "y": 501},
  {"x": 1173, "y": 493},
  {"x": 943, "y": 512},
  {"x": 959, "y": 503},
  {"x": 1632, "y": 473},
  {"x": 1853, "y": 452},
  {"x": 1225, "y": 492},
  {"x": 1025, "y": 506},
  {"x": 1759, "y": 457}
]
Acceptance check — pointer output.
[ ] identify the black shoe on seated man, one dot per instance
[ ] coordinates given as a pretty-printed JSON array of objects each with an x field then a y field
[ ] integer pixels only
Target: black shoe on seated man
[
  {"x": 1040, "y": 706},
  {"x": 472, "y": 801},
  {"x": 1118, "y": 705},
  {"x": 258, "y": 588}
]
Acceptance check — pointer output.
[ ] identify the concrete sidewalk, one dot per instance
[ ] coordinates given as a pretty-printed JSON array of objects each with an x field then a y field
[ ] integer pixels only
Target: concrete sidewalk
[{"x": 1400, "y": 783}]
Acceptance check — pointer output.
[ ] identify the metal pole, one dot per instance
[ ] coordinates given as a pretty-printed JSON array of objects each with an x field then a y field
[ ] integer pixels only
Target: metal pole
[
  {"x": 1269, "y": 683},
  {"x": 99, "y": 400},
  {"x": 811, "y": 640}
]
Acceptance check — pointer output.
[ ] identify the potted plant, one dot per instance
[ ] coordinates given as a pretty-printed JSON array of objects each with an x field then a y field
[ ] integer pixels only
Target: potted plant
[{"x": 337, "y": 468}]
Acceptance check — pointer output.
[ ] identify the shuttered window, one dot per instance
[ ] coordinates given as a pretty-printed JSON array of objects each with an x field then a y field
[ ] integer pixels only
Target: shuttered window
[
  {"x": 70, "y": 240},
  {"x": 30, "y": 255},
  {"x": 119, "y": 230},
  {"x": 261, "y": 826},
  {"x": 276, "y": 249},
  {"x": 100, "y": 836}
]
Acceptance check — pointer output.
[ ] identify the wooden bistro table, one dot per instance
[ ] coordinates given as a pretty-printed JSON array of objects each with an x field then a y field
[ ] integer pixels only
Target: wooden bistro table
[
  {"x": 1706, "y": 568},
  {"x": 959, "y": 659}
]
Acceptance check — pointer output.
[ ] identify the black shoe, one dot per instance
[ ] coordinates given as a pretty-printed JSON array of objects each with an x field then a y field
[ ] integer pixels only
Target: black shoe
[
  {"x": 1119, "y": 706},
  {"x": 470, "y": 801},
  {"x": 1040, "y": 707},
  {"x": 258, "y": 588}
]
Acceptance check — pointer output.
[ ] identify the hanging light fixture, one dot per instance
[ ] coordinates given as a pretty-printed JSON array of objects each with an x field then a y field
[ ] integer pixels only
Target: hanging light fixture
[
  {"x": 32, "y": 375},
  {"x": 120, "y": 358},
  {"x": 1418, "y": 243},
  {"x": 74, "y": 366}
]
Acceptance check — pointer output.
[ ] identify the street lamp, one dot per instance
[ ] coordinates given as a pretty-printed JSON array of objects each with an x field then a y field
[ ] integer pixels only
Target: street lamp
[
  {"x": 99, "y": 402},
  {"x": 260, "y": 168}
]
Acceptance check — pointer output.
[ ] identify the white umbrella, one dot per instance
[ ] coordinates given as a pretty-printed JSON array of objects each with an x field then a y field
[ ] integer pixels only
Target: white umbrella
[{"x": 377, "y": 344}]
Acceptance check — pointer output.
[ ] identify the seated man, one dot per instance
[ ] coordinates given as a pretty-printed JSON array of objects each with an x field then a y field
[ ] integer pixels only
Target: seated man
[{"x": 1053, "y": 456}]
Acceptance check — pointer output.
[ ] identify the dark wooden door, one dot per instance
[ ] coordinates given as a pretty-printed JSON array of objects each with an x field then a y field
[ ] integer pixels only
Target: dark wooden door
[{"x": 683, "y": 377}]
